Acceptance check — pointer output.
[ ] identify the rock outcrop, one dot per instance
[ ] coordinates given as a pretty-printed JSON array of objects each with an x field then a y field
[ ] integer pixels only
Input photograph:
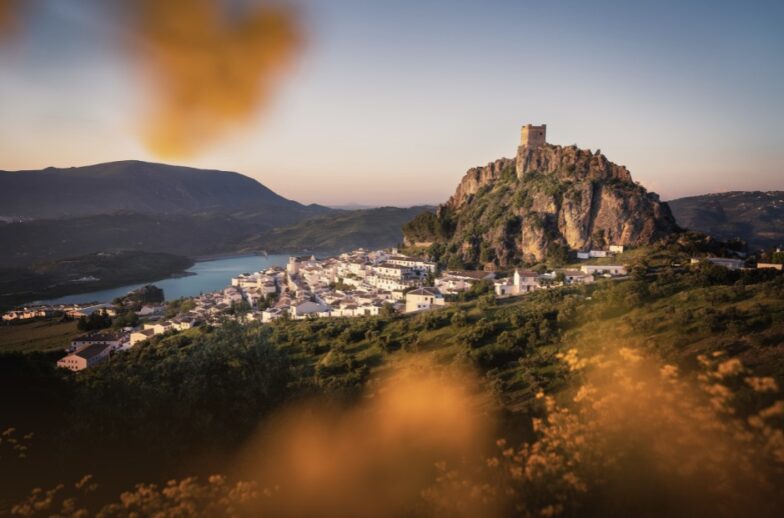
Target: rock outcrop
[{"x": 545, "y": 201}]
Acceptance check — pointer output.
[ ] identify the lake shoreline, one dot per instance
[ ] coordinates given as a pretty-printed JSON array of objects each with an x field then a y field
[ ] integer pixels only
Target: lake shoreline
[{"x": 201, "y": 277}]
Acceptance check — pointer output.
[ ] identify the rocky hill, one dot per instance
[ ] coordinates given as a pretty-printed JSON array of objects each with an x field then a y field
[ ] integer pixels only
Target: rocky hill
[
  {"x": 546, "y": 201},
  {"x": 755, "y": 217}
]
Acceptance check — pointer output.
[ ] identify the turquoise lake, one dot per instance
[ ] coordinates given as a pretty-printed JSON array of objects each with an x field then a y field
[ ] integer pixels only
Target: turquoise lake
[{"x": 205, "y": 276}]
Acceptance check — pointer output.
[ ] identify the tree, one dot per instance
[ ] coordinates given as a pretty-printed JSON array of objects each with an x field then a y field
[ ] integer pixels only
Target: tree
[
  {"x": 387, "y": 311},
  {"x": 459, "y": 319},
  {"x": 127, "y": 319},
  {"x": 94, "y": 321}
]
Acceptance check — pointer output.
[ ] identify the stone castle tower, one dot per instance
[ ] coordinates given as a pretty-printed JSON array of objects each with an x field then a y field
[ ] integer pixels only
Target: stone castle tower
[{"x": 533, "y": 136}]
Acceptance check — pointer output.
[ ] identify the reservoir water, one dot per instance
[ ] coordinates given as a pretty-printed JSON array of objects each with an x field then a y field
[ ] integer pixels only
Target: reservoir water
[{"x": 203, "y": 277}]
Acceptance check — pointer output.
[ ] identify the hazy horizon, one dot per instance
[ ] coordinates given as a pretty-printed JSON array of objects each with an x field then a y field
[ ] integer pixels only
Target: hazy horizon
[{"x": 391, "y": 104}]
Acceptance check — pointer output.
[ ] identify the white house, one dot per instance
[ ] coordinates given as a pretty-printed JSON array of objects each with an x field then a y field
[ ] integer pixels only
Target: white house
[
  {"x": 461, "y": 280},
  {"x": 304, "y": 308},
  {"x": 413, "y": 262},
  {"x": 141, "y": 335},
  {"x": 423, "y": 298},
  {"x": 391, "y": 277},
  {"x": 183, "y": 323},
  {"x": 604, "y": 269},
  {"x": 159, "y": 327},
  {"x": 523, "y": 281},
  {"x": 577, "y": 277},
  {"x": 616, "y": 249},
  {"x": 526, "y": 280}
]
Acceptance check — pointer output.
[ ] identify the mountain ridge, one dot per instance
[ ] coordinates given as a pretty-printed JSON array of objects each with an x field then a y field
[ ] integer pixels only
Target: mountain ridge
[
  {"x": 141, "y": 187},
  {"x": 756, "y": 217}
]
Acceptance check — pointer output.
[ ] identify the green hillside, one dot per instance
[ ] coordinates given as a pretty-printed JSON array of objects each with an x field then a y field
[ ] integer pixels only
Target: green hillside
[
  {"x": 201, "y": 394},
  {"x": 345, "y": 230}
]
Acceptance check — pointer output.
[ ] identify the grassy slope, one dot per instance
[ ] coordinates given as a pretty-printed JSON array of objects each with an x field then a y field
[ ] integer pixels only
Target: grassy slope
[
  {"x": 746, "y": 321},
  {"x": 40, "y": 335},
  {"x": 674, "y": 319}
]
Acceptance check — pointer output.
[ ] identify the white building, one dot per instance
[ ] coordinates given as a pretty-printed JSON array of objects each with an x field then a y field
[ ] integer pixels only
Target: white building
[
  {"x": 159, "y": 328},
  {"x": 604, "y": 269},
  {"x": 108, "y": 338},
  {"x": 523, "y": 281},
  {"x": 294, "y": 264},
  {"x": 577, "y": 277},
  {"x": 412, "y": 262},
  {"x": 422, "y": 299},
  {"x": 460, "y": 280},
  {"x": 184, "y": 323},
  {"x": 304, "y": 308},
  {"x": 89, "y": 310},
  {"x": 27, "y": 313},
  {"x": 85, "y": 357},
  {"x": 616, "y": 249},
  {"x": 391, "y": 277},
  {"x": 141, "y": 335}
]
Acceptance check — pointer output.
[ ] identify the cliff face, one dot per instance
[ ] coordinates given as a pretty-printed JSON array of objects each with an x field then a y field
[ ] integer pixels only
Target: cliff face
[{"x": 546, "y": 200}]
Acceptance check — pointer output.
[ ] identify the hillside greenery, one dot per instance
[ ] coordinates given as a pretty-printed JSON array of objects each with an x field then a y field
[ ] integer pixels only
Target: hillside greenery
[
  {"x": 201, "y": 393},
  {"x": 337, "y": 232}
]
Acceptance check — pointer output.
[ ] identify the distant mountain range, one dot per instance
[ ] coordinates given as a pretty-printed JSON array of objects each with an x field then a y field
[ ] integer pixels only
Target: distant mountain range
[
  {"x": 353, "y": 206},
  {"x": 56, "y": 214},
  {"x": 753, "y": 216},
  {"x": 143, "y": 188}
]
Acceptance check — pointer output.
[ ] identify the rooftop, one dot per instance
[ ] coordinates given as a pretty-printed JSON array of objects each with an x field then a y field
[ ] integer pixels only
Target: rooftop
[
  {"x": 100, "y": 336},
  {"x": 90, "y": 351},
  {"x": 433, "y": 292}
]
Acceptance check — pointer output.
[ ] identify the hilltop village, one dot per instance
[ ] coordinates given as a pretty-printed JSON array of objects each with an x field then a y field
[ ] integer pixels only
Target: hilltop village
[{"x": 355, "y": 284}]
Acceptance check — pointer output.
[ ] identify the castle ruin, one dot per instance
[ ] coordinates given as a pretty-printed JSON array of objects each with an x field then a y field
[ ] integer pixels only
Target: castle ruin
[{"x": 533, "y": 136}]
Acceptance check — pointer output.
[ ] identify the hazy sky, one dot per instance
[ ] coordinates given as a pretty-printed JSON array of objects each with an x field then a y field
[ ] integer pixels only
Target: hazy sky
[{"x": 391, "y": 101}]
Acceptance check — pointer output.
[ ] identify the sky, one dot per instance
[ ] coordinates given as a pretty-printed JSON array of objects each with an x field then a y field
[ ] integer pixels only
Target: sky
[{"x": 389, "y": 103}]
